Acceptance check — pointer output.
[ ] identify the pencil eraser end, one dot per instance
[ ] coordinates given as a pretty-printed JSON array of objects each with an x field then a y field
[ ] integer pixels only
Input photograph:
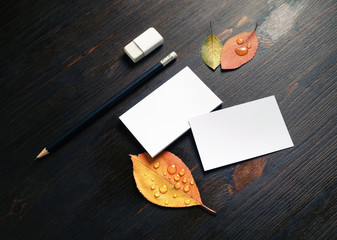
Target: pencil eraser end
[{"x": 143, "y": 44}]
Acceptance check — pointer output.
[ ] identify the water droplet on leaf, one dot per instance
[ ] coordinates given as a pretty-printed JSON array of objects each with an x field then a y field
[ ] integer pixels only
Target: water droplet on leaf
[
  {"x": 156, "y": 165},
  {"x": 187, "y": 201},
  {"x": 241, "y": 51},
  {"x": 153, "y": 187},
  {"x": 177, "y": 186},
  {"x": 166, "y": 202},
  {"x": 186, "y": 188},
  {"x": 176, "y": 177},
  {"x": 171, "y": 169},
  {"x": 163, "y": 189},
  {"x": 184, "y": 180},
  {"x": 192, "y": 182},
  {"x": 157, "y": 194},
  {"x": 240, "y": 41},
  {"x": 182, "y": 172}
]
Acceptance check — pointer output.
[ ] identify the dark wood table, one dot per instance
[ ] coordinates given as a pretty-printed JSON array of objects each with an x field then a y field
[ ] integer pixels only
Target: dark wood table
[{"x": 62, "y": 59}]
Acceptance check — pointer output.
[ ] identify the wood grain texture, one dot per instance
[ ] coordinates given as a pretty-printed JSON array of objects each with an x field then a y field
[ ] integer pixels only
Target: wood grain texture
[{"x": 62, "y": 59}]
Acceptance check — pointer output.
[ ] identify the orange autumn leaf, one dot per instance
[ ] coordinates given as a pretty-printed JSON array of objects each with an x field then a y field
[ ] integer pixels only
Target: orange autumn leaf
[
  {"x": 165, "y": 180},
  {"x": 239, "y": 49}
]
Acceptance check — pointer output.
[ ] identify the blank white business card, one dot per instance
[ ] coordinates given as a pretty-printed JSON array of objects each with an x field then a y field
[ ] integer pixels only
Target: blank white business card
[
  {"x": 239, "y": 133},
  {"x": 162, "y": 116}
]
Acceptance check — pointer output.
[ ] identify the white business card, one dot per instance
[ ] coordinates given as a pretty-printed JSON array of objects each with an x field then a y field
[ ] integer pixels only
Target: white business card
[
  {"x": 162, "y": 116},
  {"x": 239, "y": 133}
]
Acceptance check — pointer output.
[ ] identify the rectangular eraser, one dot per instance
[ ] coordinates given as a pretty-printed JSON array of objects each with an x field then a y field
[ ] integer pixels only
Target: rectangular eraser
[{"x": 143, "y": 44}]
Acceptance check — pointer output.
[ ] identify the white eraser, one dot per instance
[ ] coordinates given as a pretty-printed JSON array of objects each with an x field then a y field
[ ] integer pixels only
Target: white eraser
[{"x": 143, "y": 44}]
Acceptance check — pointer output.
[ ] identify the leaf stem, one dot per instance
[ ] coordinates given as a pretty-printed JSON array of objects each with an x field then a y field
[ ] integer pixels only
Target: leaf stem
[
  {"x": 207, "y": 208},
  {"x": 255, "y": 26},
  {"x": 251, "y": 34}
]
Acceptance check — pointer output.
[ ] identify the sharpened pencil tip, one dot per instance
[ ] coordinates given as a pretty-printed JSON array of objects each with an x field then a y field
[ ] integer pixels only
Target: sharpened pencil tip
[{"x": 43, "y": 153}]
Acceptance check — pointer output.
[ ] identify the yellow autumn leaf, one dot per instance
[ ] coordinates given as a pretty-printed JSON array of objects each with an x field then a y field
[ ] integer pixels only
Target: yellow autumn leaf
[
  {"x": 165, "y": 180},
  {"x": 211, "y": 50}
]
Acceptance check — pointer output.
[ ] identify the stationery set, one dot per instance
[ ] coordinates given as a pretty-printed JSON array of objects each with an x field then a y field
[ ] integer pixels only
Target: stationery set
[{"x": 184, "y": 102}]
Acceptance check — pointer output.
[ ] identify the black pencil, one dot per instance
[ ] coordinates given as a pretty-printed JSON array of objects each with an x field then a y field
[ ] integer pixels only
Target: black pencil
[{"x": 112, "y": 101}]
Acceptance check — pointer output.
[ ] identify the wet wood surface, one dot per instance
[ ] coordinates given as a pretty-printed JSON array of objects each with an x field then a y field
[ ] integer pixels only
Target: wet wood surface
[{"x": 62, "y": 59}]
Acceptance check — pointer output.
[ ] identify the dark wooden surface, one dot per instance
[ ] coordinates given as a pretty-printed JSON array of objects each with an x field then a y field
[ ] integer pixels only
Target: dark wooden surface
[{"x": 62, "y": 59}]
